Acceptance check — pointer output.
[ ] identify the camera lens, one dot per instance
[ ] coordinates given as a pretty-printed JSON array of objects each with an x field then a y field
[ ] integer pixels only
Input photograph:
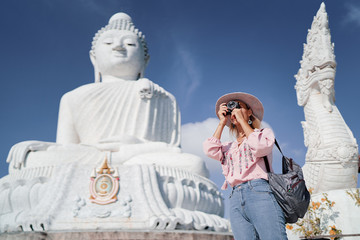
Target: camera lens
[{"x": 232, "y": 104}]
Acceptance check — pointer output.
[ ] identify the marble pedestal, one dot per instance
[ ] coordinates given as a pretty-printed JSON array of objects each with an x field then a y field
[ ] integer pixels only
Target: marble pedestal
[
  {"x": 129, "y": 235},
  {"x": 44, "y": 196}
]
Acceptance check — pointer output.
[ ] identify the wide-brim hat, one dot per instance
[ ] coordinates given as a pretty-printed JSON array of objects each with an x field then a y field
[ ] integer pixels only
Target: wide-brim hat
[{"x": 251, "y": 101}]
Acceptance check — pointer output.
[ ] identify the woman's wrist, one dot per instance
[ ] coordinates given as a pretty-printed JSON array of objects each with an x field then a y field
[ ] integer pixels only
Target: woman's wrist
[
  {"x": 243, "y": 122},
  {"x": 246, "y": 127},
  {"x": 222, "y": 122},
  {"x": 219, "y": 130}
]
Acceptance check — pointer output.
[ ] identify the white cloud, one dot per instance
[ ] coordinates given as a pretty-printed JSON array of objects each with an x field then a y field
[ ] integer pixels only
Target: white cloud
[
  {"x": 187, "y": 71},
  {"x": 353, "y": 14},
  {"x": 194, "y": 134},
  {"x": 192, "y": 71}
]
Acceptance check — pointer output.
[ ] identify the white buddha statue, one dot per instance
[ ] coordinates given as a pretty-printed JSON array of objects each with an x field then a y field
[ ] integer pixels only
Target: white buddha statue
[
  {"x": 122, "y": 106},
  {"x": 117, "y": 161},
  {"x": 122, "y": 112}
]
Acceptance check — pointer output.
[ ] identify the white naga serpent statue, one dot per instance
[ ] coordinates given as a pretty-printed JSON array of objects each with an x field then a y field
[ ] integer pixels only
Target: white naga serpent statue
[{"x": 332, "y": 156}]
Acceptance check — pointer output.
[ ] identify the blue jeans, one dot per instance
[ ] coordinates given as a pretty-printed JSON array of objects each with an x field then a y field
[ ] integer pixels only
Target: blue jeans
[{"x": 254, "y": 212}]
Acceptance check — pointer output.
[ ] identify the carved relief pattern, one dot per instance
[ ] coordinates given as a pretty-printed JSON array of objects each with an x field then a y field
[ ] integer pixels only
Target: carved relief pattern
[
  {"x": 194, "y": 200},
  {"x": 83, "y": 210},
  {"x": 342, "y": 153},
  {"x": 197, "y": 192},
  {"x": 326, "y": 86},
  {"x": 27, "y": 210}
]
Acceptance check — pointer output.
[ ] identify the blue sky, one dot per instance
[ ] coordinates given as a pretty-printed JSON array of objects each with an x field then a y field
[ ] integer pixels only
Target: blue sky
[{"x": 199, "y": 50}]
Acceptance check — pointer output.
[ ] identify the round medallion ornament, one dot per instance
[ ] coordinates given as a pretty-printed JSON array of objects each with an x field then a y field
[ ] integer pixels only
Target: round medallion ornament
[{"x": 104, "y": 185}]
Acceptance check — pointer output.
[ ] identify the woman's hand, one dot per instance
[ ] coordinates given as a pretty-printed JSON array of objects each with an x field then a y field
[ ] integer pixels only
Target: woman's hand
[
  {"x": 239, "y": 116},
  {"x": 222, "y": 114},
  {"x": 223, "y": 119}
]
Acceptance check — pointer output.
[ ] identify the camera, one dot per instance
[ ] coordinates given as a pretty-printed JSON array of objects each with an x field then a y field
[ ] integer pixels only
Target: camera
[{"x": 231, "y": 105}]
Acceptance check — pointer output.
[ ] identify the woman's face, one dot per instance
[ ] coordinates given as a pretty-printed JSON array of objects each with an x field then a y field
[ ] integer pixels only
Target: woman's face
[{"x": 246, "y": 112}]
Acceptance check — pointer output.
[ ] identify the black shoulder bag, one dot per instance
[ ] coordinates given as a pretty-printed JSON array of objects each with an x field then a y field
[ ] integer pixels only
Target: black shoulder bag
[{"x": 289, "y": 188}]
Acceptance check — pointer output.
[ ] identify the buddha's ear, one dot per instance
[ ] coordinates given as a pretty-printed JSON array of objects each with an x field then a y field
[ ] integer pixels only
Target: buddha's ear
[
  {"x": 142, "y": 71},
  {"x": 96, "y": 69},
  {"x": 147, "y": 58}
]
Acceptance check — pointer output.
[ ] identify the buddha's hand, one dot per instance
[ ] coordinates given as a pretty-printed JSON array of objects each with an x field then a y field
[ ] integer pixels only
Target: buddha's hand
[
  {"x": 146, "y": 88},
  {"x": 113, "y": 144},
  {"x": 19, "y": 151}
]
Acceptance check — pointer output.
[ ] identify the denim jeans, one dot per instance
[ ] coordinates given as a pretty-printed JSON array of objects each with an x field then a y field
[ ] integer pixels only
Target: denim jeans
[{"x": 254, "y": 212}]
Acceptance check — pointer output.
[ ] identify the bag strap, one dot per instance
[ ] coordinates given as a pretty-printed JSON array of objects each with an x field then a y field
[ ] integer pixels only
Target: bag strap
[
  {"x": 266, "y": 159},
  {"x": 278, "y": 146},
  {"x": 266, "y": 163}
]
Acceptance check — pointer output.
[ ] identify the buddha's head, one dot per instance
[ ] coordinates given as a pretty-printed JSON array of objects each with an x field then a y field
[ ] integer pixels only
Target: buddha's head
[{"x": 119, "y": 50}]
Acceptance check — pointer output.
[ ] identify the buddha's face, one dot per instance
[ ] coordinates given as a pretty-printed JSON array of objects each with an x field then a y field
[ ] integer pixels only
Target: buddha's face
[{"x": 119, "y": 53}]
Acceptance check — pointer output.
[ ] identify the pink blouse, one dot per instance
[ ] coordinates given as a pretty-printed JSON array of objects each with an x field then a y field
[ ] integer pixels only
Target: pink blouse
[{"x": 242, "y": 162}]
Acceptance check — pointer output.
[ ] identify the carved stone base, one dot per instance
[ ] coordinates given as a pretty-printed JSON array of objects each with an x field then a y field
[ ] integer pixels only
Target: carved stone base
[
  {"x": 129, "y": 235},
  {"x": 149, "y": 197}
]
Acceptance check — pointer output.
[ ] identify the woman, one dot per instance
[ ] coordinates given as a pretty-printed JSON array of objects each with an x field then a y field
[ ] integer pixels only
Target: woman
[{"x": 254, "y": 212}]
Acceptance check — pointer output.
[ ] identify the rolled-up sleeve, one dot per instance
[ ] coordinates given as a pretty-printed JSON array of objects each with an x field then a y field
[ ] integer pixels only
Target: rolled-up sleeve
[
  {"x": 261, "y": 142},
  {"x": 213, "y": 148}
]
